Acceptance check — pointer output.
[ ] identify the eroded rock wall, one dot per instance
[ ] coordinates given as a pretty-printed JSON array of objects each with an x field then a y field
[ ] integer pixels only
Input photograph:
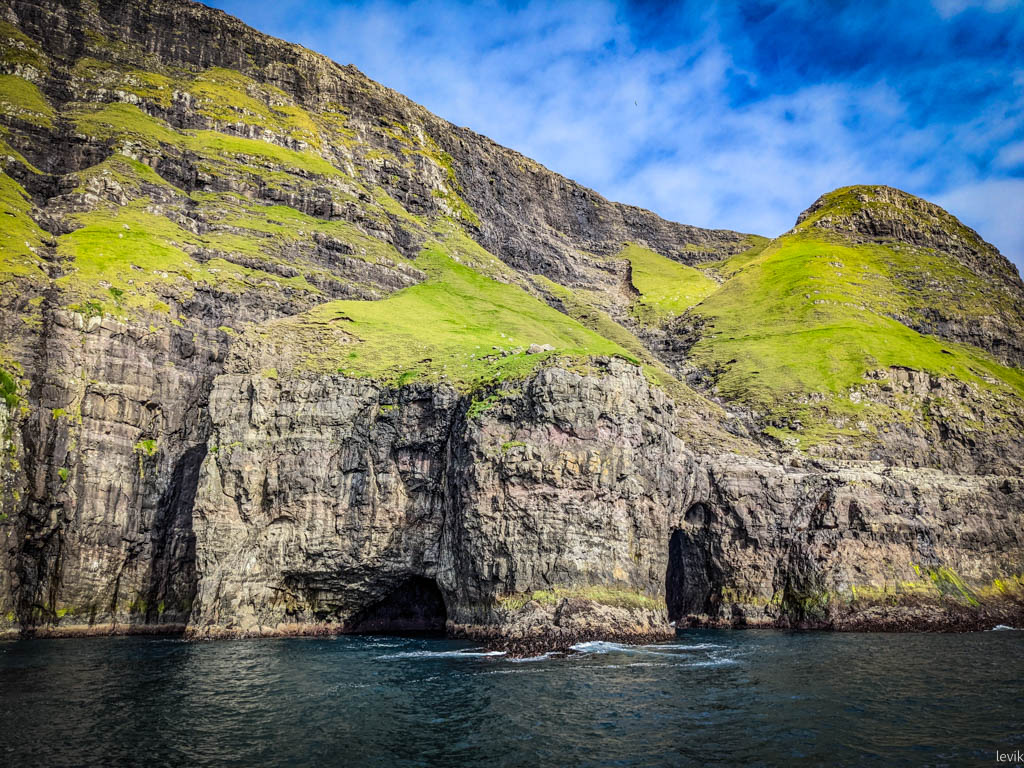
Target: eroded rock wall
[
  {"x": 103, "y": 526},
  {"x": 569, "y": 504},
  {"x": 150, "y": 479}
]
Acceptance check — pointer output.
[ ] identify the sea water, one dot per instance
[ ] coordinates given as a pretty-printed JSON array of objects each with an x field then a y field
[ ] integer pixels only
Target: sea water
[{"x": 725, "y": 698}]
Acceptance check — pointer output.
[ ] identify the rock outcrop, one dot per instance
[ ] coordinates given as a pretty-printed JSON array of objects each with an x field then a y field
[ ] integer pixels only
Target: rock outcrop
[
  {"x": 320, "y": 498},
  {"x": 196, "y": 438}
]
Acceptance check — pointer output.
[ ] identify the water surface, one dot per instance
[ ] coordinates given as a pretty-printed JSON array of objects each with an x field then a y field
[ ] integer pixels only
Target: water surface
[{"x": 707, "y": 698}]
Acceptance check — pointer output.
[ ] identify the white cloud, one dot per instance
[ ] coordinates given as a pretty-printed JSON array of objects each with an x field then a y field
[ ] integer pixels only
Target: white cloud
[
  {"x": 1011, "y": 156},
  {"x": 995, "y": 208},
  {"x": 950, "y": 8}
]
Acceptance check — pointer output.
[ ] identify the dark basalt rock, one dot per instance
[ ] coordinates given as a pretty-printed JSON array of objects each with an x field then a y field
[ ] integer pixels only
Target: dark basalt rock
[{"x": 163, "y": 477}]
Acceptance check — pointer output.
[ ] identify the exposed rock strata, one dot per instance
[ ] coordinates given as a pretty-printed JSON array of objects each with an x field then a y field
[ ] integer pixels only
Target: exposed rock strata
[
  {"x": 319, "y": 497},
  {"x": 160, "y": 476}
]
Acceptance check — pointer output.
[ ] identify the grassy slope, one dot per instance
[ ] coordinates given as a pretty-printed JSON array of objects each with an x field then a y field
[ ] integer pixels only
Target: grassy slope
[
  {"x": 797, "y": 316},
  {"x": 808, "y": 316},
  {"x": 124, "y": 260},
  {"x": 445, "y": 328},
  {"x": 576, "y": 305},
  {"x": 22, "y": 100},
  {"x": 667, "y": 288},
  {"x": 129, "y": 260},
  {"x": 922, "y": 276},
  {"x": 20, "y": 236}
]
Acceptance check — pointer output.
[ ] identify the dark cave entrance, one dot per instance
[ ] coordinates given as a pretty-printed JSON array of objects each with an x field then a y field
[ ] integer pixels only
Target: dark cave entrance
[
  {"x": 415, "y": 605},
  {"x": 689, "y": 581}
]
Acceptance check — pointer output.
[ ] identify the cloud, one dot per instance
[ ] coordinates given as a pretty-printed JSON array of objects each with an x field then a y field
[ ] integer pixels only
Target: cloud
[
  {"x": 996, "y": 208},
  {"x": 949, "y": 8},
  {"x": 732, "y": 115}
]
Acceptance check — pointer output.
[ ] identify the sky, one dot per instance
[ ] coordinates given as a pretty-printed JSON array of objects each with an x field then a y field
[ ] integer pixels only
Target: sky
[{"x": 733, "y": 115}]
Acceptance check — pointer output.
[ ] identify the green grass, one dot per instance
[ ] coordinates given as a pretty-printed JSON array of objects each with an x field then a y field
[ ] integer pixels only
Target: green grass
[
  {"x": 798, "y": 322},
  {"x": 277, "y": 225},
  {"x": 22, "y": 100},
  {"x": 9, "y": 155},
  {"x": 845, "y": 201},
  {"x": 229, "y": 96},
  {"x": 445, "y": 328},
  {"x": 221, "y": 95},
  {"x": 126, "y": 260},
  {"x": 394, "y": 208},
  {"x": 19, "y": 235},
  {"x": 809, "y": 315},
  {"x": 667, "y": 288},
  {"x": 466, "y": 251},
  {"x": 126, "y": 171},
  {"x": 214, "y": 144},
  {"x": 148, "y": 447},
  {"x": 449, "y": 198},
  {"x": 225, "y": 96},
  {"x": 726, "y": 268},
  {"x": 18, "y": 48},
  {"x": 579, "y": 308},
  {"x": 118, "y": 121},
  {"x": 9, "y": 391},
  {"x": 152, "y": 86}
]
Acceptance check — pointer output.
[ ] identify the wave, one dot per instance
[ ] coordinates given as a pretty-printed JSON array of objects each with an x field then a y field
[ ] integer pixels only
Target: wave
[
  {"x": 682, "y": 663},
  {"x": 603, "y": 646},
  {"x": 683, "y": 646},
  {"x": 472, "y": 653},
  {"x": 1004, "y": 628},
  {"x": 712, "y": 663},
  {"x": 542, "y": 657}
]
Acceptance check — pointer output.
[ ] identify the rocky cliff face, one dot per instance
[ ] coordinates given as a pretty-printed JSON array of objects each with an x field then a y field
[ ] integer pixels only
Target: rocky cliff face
[{"x": 283, "y": 352}]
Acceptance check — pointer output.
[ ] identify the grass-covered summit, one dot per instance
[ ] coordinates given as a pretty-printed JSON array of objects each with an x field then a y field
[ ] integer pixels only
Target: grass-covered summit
[{"x": 811, "y": 330}]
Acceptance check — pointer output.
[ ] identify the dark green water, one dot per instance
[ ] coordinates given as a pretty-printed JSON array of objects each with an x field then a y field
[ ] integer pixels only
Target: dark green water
[{"x": 709, "y": 698}]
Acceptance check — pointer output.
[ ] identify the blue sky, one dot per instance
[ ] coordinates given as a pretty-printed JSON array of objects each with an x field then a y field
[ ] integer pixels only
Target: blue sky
[{"x": 732, "y": 114}]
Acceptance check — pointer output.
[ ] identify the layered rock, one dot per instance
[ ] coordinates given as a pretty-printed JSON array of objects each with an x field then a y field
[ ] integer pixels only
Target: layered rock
[
  {"x": 184, "y": 447},
  {"x": 570, "y": 510}
]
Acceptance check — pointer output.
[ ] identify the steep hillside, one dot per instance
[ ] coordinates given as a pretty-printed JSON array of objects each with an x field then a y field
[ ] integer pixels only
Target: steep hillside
[
  {"x": 823, "y": 333},
  {"x": 280, "y": 351}
]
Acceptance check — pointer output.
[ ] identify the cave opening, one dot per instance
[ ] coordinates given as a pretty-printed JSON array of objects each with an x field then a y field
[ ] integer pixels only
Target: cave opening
[
  {"x": 689, "y": 582},
  {"x": 415, "y": 605}
]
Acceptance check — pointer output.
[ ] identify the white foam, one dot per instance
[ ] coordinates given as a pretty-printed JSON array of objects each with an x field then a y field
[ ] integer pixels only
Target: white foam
[
  {"x": 543, "y": 656},
  {"x": 441, "y": 654},
  {"x": 683, "y": 647},
  {"x": 666, "y": 664},
  {"x": 1003, "y": 628},
  {"x": 711, "y": 663},
  {"x": 660, "y": 649},
  {"x": 602, "y": 646}
]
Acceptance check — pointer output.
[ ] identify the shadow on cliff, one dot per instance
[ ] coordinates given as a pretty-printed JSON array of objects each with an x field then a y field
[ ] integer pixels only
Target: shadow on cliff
[
  {"x": 172, "y": 578},
  {"x": 692, "y": 580}
]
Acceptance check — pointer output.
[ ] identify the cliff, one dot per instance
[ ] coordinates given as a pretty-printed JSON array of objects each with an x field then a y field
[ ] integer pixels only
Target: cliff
[{"x": 283, "y": 352}]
